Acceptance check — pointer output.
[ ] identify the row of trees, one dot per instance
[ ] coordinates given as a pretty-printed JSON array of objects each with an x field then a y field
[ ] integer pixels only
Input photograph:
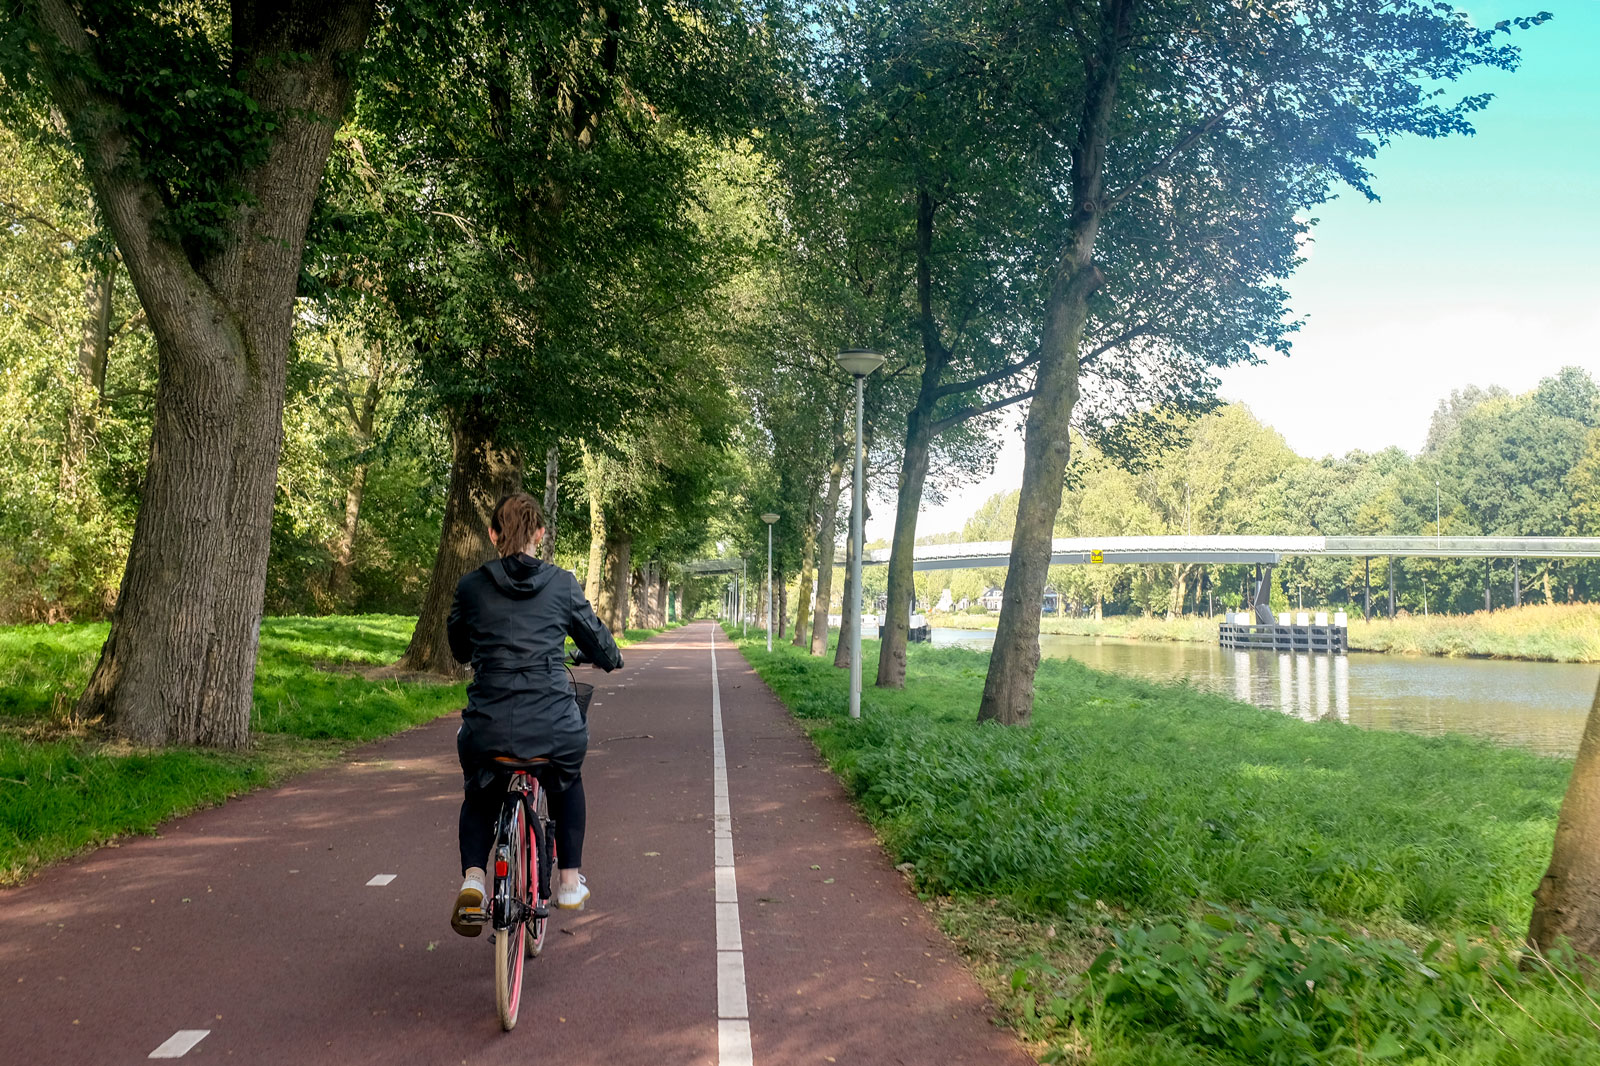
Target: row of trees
[
  {"x": 1501, "y": 465},
  {"x": 443, "y": 249}
]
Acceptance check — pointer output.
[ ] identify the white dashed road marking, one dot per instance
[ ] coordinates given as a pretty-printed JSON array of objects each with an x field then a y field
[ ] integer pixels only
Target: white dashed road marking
[
  {"x": 381, "y": 879},
  {"x": 180, "y": 1043},
  {"x": 733, "y": 1004}
]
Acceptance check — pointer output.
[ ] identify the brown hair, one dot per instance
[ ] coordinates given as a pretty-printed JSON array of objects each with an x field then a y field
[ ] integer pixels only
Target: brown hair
[{"x": 517, "y": 517}]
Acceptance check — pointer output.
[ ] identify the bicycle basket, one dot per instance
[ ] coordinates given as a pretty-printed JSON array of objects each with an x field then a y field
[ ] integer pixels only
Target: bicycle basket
[{"x": 582, "y": 693}]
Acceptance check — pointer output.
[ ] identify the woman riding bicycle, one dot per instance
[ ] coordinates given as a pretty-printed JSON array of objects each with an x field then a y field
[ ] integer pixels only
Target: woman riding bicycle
[{"x": 510, "y": 620}]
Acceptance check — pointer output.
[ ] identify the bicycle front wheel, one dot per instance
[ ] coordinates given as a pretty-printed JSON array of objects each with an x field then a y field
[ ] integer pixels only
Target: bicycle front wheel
[{"x": 511, "y": 889}]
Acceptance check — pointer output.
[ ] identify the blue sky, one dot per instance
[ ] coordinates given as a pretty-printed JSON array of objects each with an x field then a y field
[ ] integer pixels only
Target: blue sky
[{"x": 1480, "y": 265}]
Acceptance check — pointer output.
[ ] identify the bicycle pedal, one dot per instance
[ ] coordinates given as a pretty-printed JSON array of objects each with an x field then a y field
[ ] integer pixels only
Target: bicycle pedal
[
  {"x": 473, "y": 916},
  {"x": 541, "y": 911}
]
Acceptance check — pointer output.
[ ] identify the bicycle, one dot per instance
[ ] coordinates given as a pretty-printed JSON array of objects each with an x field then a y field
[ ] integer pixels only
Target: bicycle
[{"x": 522, "y": 873}]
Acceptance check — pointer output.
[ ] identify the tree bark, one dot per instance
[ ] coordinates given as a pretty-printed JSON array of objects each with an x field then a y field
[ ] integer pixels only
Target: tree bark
[
  {"x": 841, "y": 653},
  {"x": 663, "y": 602},
  {"x": 1008, "y": 688},
  {"x": 480, "y": 473},
  {"x": 179, "y": 663},
  {"x": 363, "y": 419},
  {"x": 552, "y": 484},
  {"x": 94, "y": 343},
  {"x": 1180, "y": 591},
  {"x": 612, "y": 603},
  {"x": 808, "y": 562},
  {"x": 913, "y": 465},
  {"x": 782, "y": 594},
  {"x": 1567, "y": 902},
  {"x": 593, "y": 476},
  {"x": 638, "y": 605},
  {"x": 827, "y": 532}
]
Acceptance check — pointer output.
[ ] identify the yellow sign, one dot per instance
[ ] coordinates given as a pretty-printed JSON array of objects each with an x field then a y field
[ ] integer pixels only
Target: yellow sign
[{"x": 1096, "y": 556}]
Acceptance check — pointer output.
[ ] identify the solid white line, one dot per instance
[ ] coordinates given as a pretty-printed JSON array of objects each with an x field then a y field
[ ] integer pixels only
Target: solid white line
[
  {"x": 733, "y": 1001},
  {"x": 733, "y": 1043},
  {"x": 381, "y": 879},
  {"x": 180, "y": 1043},
  {"x": 728, "y": 939}
]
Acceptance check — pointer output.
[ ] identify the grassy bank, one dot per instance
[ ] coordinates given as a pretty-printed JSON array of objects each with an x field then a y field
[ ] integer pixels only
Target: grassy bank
[
  {"x": 1563, "y": 633},
  {"x": 63, "y": 788},
  {"x": 1220, "y": 856}
]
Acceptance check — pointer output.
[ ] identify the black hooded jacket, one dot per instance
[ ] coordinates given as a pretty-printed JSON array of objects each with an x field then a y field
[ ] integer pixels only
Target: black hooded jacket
[{"x": 510, "y": 620}]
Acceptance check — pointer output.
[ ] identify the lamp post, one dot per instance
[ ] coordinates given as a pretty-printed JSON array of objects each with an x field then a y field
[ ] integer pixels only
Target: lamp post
[
  {"x": 769, "y": 518},
  {"x": 858, "y": 363}
]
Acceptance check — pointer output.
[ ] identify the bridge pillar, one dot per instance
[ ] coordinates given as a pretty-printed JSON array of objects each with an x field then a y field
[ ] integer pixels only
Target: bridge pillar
[
  {"x": 1263, "y": 600},
  {"x": 1366, "y": 595},
  {"x": 1391, "y": 586},
  {"x": 1516, "y": 582}
]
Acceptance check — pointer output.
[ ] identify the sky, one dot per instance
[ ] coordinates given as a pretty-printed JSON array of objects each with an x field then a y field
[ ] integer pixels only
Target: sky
[{"x": 1479, "y": 265}]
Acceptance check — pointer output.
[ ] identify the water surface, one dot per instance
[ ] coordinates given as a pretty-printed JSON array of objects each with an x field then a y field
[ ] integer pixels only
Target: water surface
[{"x": 1540, "y": 706}]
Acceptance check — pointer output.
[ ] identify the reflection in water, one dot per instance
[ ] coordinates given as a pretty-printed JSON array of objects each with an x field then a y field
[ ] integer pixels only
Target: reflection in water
[{"x": 1533, "y": 705}]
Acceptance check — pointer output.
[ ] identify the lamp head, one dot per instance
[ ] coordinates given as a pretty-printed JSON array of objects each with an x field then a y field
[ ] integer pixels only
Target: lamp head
[
  {"x": 859, "y": 362},
  {"x": 769, "y": 518}
]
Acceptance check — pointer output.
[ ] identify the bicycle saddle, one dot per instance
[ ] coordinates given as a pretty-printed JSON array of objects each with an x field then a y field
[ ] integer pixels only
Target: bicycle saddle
[{"x": 511, "y": 762}]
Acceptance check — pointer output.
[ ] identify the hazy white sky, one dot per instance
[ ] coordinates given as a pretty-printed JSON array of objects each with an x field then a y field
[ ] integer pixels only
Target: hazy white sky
[{"x": 1478, "y": 266}]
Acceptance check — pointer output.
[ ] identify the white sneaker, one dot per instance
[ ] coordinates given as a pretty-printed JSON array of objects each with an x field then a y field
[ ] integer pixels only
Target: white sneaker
[
  {"x": 468, "y": 916},
  {"x": 573, "y": 899}
]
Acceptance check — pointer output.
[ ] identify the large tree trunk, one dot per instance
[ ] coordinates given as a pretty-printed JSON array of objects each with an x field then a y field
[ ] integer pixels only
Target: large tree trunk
[
  {"x": 179, "y": 663},
  {"x": 94, "y": 345},
  {"x": 1567, "y": 902},
  {"x": 552, "y": 500},
  {"x": 638, "y": 605},
  {"x": 841, "y": 653},
  {"x": 364, "y": 418},
  {"x": 913, "y": 465},
  {"x": 480, "y": 473},
  {"x": 902, "y": 552},
  {"x": 1008, "y": 688},
  {"x": 827, "y": 531},
  {"x": 782, "y": 594},
  {"x": 612, "y": 602},
  {"x": 344, "y": 545},
  {"x": 1180, "y": 591},
  {"x": 594, "y": 579},
  {"x": 808, "y": 561},
  {"x": 663, "y": 602}
]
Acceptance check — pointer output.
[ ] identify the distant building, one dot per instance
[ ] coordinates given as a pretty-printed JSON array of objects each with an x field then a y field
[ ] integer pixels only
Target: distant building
[
  {"x": 1052, "y": 601},
  {"x": 944, "y": 601},
  {"x": 991, "y": 600}
]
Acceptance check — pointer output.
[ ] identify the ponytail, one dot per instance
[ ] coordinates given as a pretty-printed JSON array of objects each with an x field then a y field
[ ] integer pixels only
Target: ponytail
[{"x": 516, "y": 519}]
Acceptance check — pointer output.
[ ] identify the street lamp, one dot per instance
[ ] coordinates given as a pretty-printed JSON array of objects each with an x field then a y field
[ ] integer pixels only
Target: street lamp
[
  {"x": 858, "y": 363},
  {"x": 769, "y": 518}
]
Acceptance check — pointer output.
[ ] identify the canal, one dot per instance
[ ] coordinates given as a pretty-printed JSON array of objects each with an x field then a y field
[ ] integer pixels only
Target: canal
[{"x": 1540, "y": 706}]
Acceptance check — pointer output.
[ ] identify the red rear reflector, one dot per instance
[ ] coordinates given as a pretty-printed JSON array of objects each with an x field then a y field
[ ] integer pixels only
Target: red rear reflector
[{"x": 500, "y": 868}]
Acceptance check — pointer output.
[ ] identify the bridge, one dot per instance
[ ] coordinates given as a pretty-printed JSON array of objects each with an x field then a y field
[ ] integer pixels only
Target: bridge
[
  {"x": 1267, "y": 551},
  {"x": 1264, "y": 552}
]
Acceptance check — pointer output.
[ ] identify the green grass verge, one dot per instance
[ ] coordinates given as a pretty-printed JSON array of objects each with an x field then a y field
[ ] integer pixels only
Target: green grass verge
[
  {"x": 62, "y": 790},
  {"x": 1222, "y": 854},
  {"x": 1561, "y": 633}
]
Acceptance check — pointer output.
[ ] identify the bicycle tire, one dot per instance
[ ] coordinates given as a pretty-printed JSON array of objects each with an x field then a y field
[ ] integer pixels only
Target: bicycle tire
[
  {"x": 510, "y": 891},
  {"x": 540, "y": 840}
]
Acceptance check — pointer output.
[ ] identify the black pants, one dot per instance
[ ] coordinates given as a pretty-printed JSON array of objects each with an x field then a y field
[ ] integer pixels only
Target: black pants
[{"x": 481, "y": 805}]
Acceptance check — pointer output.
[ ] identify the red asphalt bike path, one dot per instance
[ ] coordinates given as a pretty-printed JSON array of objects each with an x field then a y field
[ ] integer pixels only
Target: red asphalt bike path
[{"x": 256, "y": 922}]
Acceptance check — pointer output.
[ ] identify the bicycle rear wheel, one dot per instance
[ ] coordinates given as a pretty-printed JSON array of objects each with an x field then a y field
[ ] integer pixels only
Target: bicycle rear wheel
[
  {"x": 511, "y": 890},
  {"x": 540, "y": 846}
]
